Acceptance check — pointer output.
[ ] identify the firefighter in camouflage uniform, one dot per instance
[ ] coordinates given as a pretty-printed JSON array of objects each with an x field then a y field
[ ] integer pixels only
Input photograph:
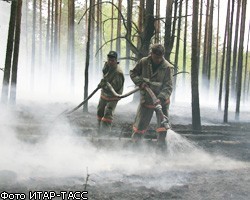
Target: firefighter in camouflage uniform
[
  {"x": 156, "y": 73},
  {"x": 107, "y": 103}
]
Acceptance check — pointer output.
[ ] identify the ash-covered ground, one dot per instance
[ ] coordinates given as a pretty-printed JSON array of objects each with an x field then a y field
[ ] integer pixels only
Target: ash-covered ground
[{"x": 42, "y": 152}]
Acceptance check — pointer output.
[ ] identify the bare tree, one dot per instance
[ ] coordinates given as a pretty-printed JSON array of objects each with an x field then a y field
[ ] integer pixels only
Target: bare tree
[
  {"x": 86, "y": 73},
  {"x": 185, "y": 43},
  {"x": 196, "y": 122},
  {"x": 236, "y": 36},
  {"x": 228, "y": 61},
  {"x": 157, "y": 22},
  {"x": 33, "y": 54},
  {"x": 118, "y": 41},
  {"x": 240, "y": 58},
  {"x": 9, "y": 53},
  {"x": 16, "y": 53},
  {"x": 176, "y": 60},
  {"x": 223, "y": 58},
  {"x": 168, "y": 27},
  {"x": 217, "y": 47},
  {"x": 246, "y": 63},
  {"x": 128, "y": 34},
  {"x": 71, "y": 42}
]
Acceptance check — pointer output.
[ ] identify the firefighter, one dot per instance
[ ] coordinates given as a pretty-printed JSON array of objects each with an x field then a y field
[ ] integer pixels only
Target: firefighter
[
  {"x": 156, "y": 73},
  {"x": 113, "y": 74}
]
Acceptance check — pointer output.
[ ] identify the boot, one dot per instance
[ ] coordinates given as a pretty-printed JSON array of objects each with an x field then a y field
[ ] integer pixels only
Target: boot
[{"x": 136, "y": 137}]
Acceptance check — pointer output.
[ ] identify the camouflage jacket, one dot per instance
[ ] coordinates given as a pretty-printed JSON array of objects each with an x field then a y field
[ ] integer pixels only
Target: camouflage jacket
[
  {"x": 160, "y": 82},
  {"x": 115, "y": 77}
]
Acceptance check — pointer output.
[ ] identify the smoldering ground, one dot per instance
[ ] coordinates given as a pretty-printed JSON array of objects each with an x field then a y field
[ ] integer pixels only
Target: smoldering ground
[{"x": 38, "y": 152}]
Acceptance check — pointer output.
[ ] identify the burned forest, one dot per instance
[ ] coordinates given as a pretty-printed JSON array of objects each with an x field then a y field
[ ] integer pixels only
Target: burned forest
[{"x": 124, "y": 99}]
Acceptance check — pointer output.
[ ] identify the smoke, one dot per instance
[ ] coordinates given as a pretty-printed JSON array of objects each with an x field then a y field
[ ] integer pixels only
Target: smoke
[{"x": 36, "y": 146}]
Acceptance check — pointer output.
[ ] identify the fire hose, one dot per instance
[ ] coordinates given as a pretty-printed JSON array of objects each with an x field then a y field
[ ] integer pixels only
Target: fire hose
[{"x": 158, "y": 108}]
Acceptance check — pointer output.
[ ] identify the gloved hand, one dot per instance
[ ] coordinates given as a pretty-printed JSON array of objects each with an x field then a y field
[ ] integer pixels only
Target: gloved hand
[
  {"x": 102, "y": 83},
  {"x": 162, "y": 100},
  {"x": 143, "y": 85}
]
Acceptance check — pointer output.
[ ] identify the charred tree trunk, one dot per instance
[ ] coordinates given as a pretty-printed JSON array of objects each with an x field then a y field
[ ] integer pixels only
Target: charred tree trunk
[
  {"x": 140, "y": 21},
  {"x": 185, "y": 44},
  {"x": 71, "y": 43},
  {"x": 246, "y": 64},
  {"x": 9, "y": 53},
  {"x": 118, "y": 41},
  {"x": 33, "y": 54},
  {"x": 240, "y": 58},
  {"x": 16, "y": 53},
  {"x": 236, "y": 36},
  {"x": 129, "y": 30},
  {"x": 86, "y": 74},
  {"x": 196, "y": 121},
  {"x": 228, "y": 63},
  {"x": 40, "y": 34},
  {"x": 205, "y": 46},
  {"x": 91, "y": 49},
  {"x": 223, "y": 57},
  {"x": 56, "y": 33},
  {"x": 148, "y": 28},
  {"x": 157, "y": 22},
  {"x": 48, "y": 34},
  {"x": 217, "y": 47},
  {"x": 98, "y": 32},
  {"x": 200, "y": 32},
  {"x": 177, "y": 48},
  {"x": 168, "y": 27},
  {"x": 51, "y": 64},
  {"x": 112, "y": 26}
]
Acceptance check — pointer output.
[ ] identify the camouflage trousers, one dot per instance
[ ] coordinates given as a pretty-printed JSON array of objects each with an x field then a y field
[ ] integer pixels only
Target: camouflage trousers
[
  {"x": 144, "y": 116},
  {"x": 105, "y": 112}
]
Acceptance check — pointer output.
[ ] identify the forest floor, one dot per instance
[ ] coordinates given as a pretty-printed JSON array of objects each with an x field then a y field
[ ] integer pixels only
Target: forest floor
[{"x": 42, "y": 152}]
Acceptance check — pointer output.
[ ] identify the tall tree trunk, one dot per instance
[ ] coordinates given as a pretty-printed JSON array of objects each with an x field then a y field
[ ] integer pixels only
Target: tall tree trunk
[
  {"x": 56, "y": 33},
  {"x": 200, "y": 32},
  {"x": 16, "y": 53},
  {"x": 223, "y": 57},
  {"x": 118, "y": 41},
  {"x": 9, "y": 53},
  {"x": 71, "y": 43},
  {"x": 100, "y": 53},
  {"x": 185, "y": 45},
  {"x": 205, "y": 45},
  {"x": 157, "y": 22},
  {"x": 217, "y": 47},
  {"x": 240, "y": 58},
  {"x": 92, "y": 63},
  {"x": 59, "y": 34},
  {"x": 47, "y": 52},
  {"x": 86, "y": 77},
  {"x": 148, "y": 28},
  {"x": 177, "y": 48},
  {"x": 112, "y": 26},
  {"x": 129, "y": 30},
  {"x": 168, "y": 26},
  {"x": 196, "y": 121},
  {"x": 140, "y": 21},
  {"x": 210, "y": 43},
  {"x": 228, "y": 62},
  {"x": 40, "y": 34},
  {"x": 33, "y": 54},
  {"x": 236, "y": 36},
  {"x": 246, "y": 64},
  {"x": 98, "y": 32}
]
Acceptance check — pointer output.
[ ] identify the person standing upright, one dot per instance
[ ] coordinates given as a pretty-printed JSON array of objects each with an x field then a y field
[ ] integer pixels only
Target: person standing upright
[
  {"x": 156, "y": 73},
  {"x": 113, "y": 74}
]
